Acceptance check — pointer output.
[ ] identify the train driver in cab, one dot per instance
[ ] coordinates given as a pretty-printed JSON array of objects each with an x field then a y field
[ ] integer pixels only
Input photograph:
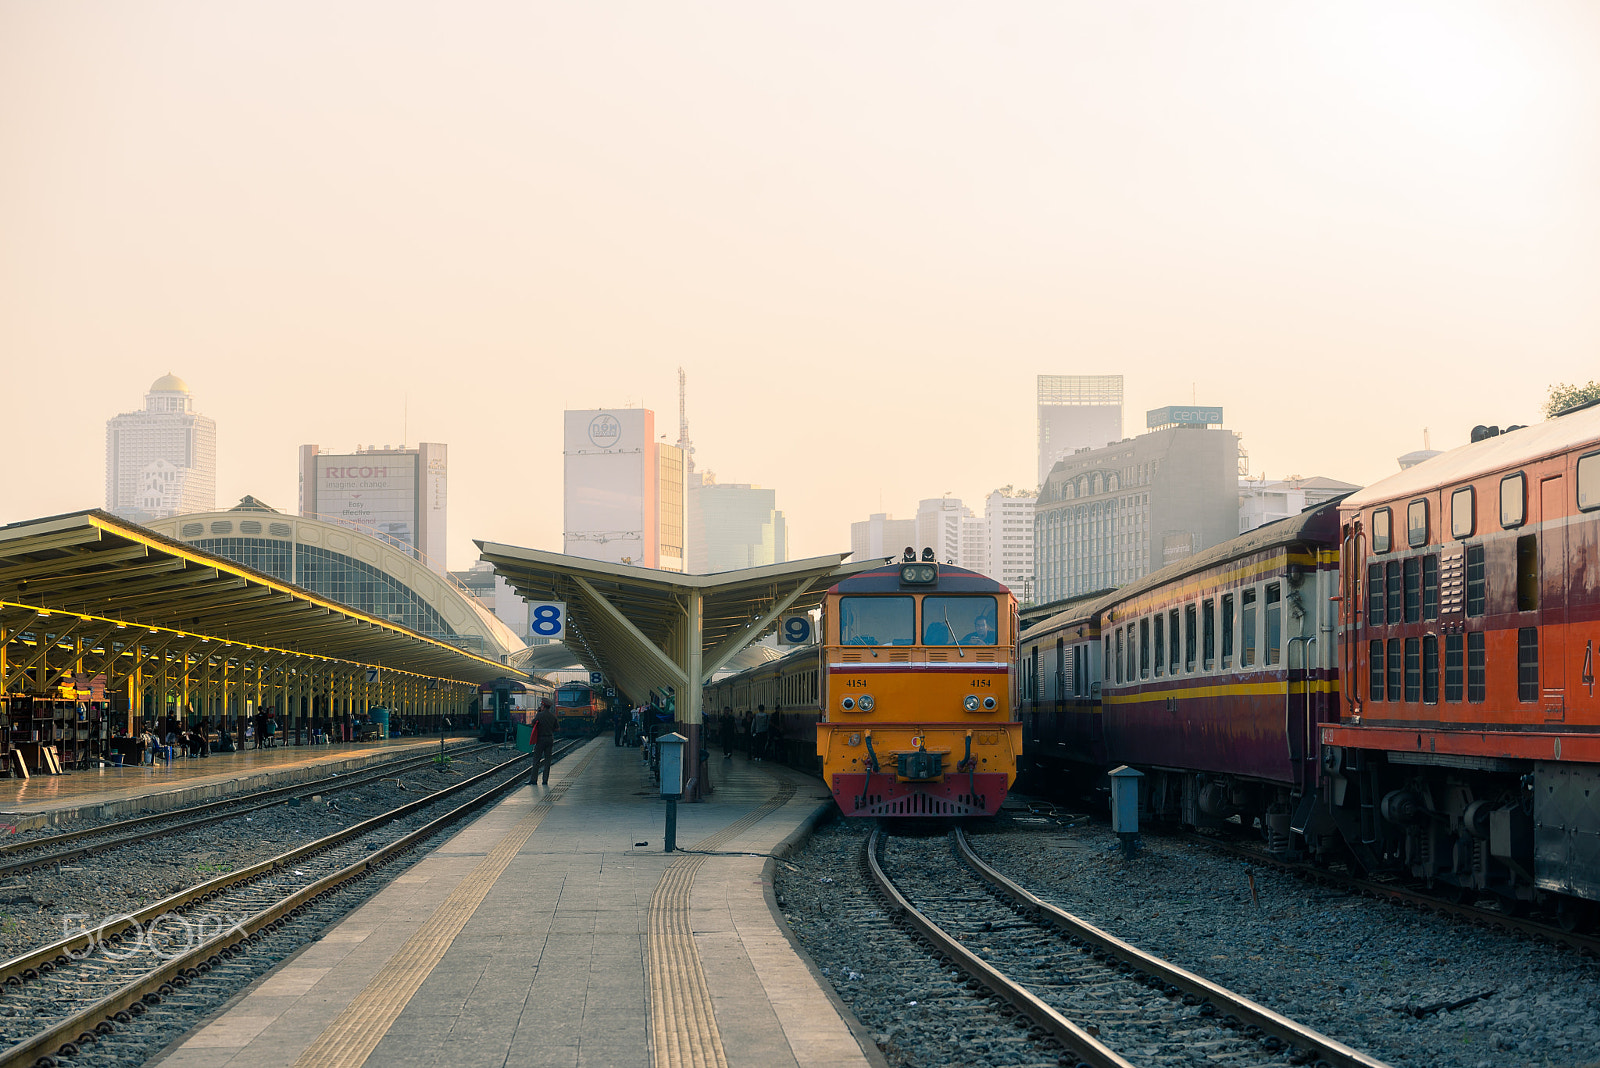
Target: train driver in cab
[{"x": 983, "y": 630}]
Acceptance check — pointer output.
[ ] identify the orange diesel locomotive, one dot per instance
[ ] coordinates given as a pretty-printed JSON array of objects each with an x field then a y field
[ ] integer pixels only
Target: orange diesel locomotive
[{"x": 918, "y": 696}]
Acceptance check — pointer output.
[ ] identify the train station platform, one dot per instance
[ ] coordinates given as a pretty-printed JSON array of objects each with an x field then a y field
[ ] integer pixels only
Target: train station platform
[
  {"x": 113, "y": 791},
  {"x": 553, "y": 930}
]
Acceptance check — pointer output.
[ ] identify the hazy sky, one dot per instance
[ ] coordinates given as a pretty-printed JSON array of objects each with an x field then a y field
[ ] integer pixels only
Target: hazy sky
[{"x": 861, "y": 227}]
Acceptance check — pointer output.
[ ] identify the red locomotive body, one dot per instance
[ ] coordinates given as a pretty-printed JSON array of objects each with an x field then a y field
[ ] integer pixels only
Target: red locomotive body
[{"x": 1470, "y": 741}]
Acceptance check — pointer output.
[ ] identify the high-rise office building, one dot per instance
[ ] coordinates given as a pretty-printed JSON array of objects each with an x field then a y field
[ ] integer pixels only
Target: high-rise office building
[
  {"x": 1076, "y": 412},
  {"x": 882, "y": 535},
  {"x": 623, "y": 492},
  {"x": 162, "y": 460},
  {"x": 398, "y": 495},
  {"x": 1110, "y": 515},
  {"x": 734, "y": 525},
  {"x": 1008, "y": 517}
]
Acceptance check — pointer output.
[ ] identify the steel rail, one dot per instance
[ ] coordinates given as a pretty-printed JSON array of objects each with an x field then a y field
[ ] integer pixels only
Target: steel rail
[
  {"x": 256, "y": 800},
  {"x": 85, "y": 1025},
  {"x": 1087, "y": 1048},
  {"x": 1226, "y": 1001}
]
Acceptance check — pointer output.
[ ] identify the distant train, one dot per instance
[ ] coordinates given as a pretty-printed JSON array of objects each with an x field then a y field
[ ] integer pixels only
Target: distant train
[
  {"x": 506, "y": 702},
  {"x": 910, "y": 694},
  {"x": 581, "y": 709},
  {"x": 1403, "y": 679}
]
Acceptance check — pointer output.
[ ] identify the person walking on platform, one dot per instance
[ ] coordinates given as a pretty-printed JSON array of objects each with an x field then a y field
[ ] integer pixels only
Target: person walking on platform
[
  {"x": 726, "y": 725},
  {"x": 618, "y": 727},
  {"x": 544, "y": 742},
  {"x": 758, "y": 734}
]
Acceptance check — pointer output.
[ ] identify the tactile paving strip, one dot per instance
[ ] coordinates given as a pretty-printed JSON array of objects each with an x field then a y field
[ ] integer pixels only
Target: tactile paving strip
[
  {"x": 682, "y": 1025},
  {"x": 350, "y": 1039}
]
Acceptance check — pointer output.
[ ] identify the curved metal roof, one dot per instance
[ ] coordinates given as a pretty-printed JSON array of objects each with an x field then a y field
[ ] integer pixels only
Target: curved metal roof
[
  {"x": 465, "y": 615},
  {"x": 1563, "y": 433},
  {"x": 97, "y": 566}
]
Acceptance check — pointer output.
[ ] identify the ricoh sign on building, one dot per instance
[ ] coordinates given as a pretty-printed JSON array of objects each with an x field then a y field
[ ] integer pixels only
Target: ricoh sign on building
[
  {"x": 399, "y": 495},
  {"x": 609, "y": 477}
]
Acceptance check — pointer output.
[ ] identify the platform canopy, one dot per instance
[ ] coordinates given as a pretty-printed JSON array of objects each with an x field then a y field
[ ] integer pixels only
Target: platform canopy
[
  {"x": 658, "y": 630},
  {"x": 92, "y": 574}
]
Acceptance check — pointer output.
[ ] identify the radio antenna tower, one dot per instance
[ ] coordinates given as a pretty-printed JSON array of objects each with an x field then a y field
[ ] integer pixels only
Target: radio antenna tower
[{"x": 683, "y": 421}]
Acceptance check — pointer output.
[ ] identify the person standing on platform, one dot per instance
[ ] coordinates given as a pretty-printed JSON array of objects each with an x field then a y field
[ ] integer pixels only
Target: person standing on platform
[
  {"x": 544, "y": 742},
  {"x": 726, "y": 724},
  {"x": 758, "y": 734},
  {"x": 618, "y": 727}
]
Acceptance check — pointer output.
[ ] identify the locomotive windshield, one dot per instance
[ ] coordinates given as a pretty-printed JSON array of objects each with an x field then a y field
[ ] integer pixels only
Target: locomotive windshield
[
  {"x": 877, "y": 621},
  {"x": 960, "y": 621},
  {"x": 572, "y": 696}
]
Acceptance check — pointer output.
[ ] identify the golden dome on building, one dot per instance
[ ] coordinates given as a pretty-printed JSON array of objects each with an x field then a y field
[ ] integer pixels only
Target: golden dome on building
[{"x": 169, "y": 383}]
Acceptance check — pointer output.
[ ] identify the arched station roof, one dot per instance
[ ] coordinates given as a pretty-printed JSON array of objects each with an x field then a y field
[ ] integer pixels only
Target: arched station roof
[
  {"x": 112, "y": 574},
  {"x": 432, "y": 604}
]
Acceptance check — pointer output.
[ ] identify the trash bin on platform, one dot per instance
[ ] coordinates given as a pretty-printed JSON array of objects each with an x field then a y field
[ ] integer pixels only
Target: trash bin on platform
[{"x": 380, "y": 716}]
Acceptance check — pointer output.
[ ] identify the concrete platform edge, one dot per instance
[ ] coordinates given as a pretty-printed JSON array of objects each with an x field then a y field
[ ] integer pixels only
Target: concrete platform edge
[
  {"x": 769, "y": 871},
  {"x": 182, "y": 797}
]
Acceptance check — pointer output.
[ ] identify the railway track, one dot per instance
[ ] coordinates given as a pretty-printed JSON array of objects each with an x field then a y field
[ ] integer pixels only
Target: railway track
[
  {"x": 71, "y": 994},
  {"x": 1111, "y": 1004},
  {"x": 34, "y": 853}
]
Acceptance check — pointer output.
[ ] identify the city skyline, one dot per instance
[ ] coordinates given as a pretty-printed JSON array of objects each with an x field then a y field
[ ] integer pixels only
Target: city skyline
[{"x": 1353, "y": 220}]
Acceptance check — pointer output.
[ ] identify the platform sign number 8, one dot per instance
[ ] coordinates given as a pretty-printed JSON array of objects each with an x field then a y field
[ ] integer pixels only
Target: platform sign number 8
[
  {"x": 547, "y": 619},
  {"x": 795, "y": 630}
]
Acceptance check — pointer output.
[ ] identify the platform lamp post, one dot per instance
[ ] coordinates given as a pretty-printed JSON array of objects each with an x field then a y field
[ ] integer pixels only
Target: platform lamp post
[{"x": 672, "y": 746}]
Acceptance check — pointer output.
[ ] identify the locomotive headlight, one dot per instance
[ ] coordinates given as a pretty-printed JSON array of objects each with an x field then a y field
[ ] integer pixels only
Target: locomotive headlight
[
  {"x": 866, "y": 702},
  {"x": 971, "y": 702},
  {"x": 849, "y": 703},
  {"x": 988, "y": 704}
]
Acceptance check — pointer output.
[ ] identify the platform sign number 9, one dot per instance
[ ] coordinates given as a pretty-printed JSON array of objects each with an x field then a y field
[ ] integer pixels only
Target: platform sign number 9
[
  {"x": 795, "y": 630},
  {"x": 547, "y": 619}
]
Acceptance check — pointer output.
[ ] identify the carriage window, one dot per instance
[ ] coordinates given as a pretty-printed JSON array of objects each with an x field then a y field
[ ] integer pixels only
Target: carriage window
[
  {"x": 1527, "y": 663},
  {"x": 1380, "y": 530},
  {"x": 1172, "y": 637},
  {"x": 1144, "y": 648},
  {"x": 1247, "y": 628},
  {"x": 1161, "y": 644},
  {"x": 1191, "y": 637},
  {"x": 1527, "y": 573},
  {"x": 1513, "y": 500},
  {"x": 1462, "y": 513},
  {"x": 1107, "y": 663},
  {"x": 1417, "y": 523},
  {"x": 1391, "y": 572},
  {"x": 1375, "y": 595},
  {"x": 1119, "y": 654},
  {"x": 1455, "y": 663},
  {"x": 963, "y": 620},
  {"x": 1589, "y": 482},
  {"x": 1227, "y": 630},
  {"x": 1208, "y": 614},
  {"x": 1375, "y": 669},
  {"x": 1274, "y": 623},
  {"x": 1413, "y": 589},
  {"x": 1430, "y": 669},
  {"x": 877, "y": 621},
  {"x": 1413, "y": 670},
  {"x": 1430, "y": 586},
  {"x": 1477, "y": 581},
  {"x": 1477, "y": 682},
  {"x": 1394, "y": 669}
]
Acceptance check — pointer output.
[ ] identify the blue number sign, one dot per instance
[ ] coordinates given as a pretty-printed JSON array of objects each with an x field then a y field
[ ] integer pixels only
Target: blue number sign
[
  {"x": 794, "y": 630},
  {"x": 547, "y": 619}
]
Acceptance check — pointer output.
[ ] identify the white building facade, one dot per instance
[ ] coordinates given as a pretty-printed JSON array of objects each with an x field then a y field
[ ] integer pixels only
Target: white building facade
[
  {"x": 1076, "y": 412},
  {"x": 881, "y": 535},
  {"x": 1008, "y": 519},
  {"x": 1262, "y": 502},
  {"x": 162, "y": 460}
]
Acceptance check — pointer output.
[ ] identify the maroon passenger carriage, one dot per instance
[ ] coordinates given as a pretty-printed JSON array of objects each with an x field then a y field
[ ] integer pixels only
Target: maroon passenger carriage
[{"x": 1210, "y": 676}]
